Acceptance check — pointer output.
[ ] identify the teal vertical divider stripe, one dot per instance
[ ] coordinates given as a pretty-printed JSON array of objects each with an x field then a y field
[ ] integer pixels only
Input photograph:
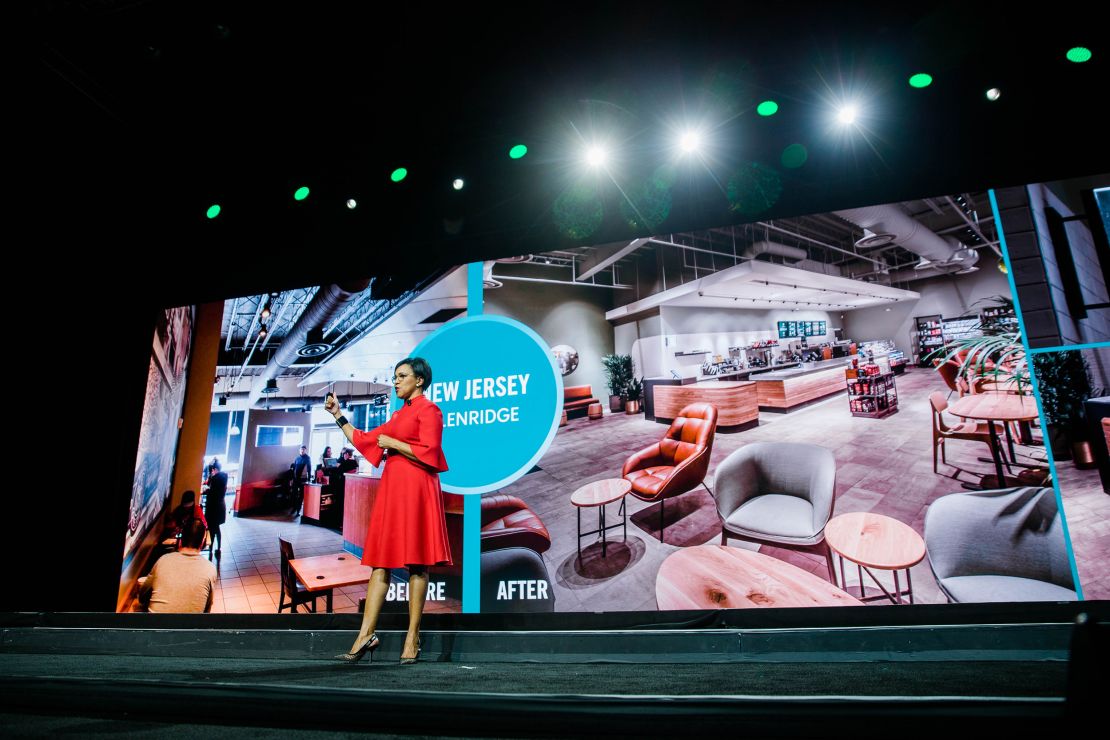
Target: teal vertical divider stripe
[
  {"x": 472, "y": 553},
  {"x": 1036, "y": 390},
  {"x": 472, "y": 504},
  {"x": 474, "y": 289}
]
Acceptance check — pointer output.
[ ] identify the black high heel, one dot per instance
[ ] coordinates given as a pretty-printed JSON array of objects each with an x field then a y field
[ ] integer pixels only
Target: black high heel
[
  {"x": 369, "y": 646},
  {"x": 410, "y": 661}
]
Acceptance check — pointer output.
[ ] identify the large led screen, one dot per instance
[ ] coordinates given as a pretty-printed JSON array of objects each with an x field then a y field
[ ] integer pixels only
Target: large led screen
[{"x": 761, "y": 415}]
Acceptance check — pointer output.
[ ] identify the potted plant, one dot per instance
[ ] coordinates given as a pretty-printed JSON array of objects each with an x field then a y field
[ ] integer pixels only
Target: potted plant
[
  {"x": 1064, "y": 382},
  {"x": 618, "y": 371},
  {"x": 633, "y": 391},
  {"x": 998, "y": 358}
]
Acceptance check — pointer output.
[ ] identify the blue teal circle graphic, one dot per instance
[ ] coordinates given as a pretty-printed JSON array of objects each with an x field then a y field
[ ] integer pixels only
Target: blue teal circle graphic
[{"x": 501, "y": 394}]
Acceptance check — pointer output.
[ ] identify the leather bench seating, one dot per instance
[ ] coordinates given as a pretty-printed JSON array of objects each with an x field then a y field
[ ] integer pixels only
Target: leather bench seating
[
  {"x": 678, "y": 462},
  {"x": 577, "y": 399},
  {"x": 508, "y": 522}
]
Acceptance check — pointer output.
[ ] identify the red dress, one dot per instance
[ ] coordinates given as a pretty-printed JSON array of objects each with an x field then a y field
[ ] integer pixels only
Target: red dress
[{"x": 407, "y": 525}]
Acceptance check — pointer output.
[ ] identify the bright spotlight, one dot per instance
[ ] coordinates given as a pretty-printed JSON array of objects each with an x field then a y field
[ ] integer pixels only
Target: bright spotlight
[
  {"x": 457, "y": 183},
  {"x": 596, "y": 156},
  {"x": 690, "y": 142},
  {"x": 994, "y": 94},
  {"x": 847, "y": 114},
  {"x": 352, "y": 203}
]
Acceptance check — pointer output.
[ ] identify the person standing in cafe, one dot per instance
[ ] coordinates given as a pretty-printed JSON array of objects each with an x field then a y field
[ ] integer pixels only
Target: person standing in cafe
[
  {"x": 215, "y": 509},
  {"x": 302, "y": 470},
  {"x": 407, "y": 524}
]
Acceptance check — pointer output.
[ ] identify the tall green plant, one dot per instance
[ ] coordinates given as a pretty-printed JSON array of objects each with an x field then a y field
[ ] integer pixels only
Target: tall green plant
[
  {"x": 634, "y": 389},
  {"x": 1064, "y": 382},
  {"x": 618, "y": 371}
]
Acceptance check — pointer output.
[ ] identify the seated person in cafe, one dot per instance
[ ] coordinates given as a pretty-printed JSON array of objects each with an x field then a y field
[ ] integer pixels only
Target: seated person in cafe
[
  {"x": 186, "y": 512},
  {"x": 347, "y": 462},
  {"x": 181, "y": 581}
]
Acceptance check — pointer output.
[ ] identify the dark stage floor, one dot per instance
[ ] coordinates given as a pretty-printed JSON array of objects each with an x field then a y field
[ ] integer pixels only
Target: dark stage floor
[{"x": 760, "y": 683}]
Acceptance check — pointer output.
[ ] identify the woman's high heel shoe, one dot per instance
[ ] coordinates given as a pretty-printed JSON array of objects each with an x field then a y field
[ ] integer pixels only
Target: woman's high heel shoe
[
  {"x": 369, "y": 646},
  {"x": 410, "y": 661}
]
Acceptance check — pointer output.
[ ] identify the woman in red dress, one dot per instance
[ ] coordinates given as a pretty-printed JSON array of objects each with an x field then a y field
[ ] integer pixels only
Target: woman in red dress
[{"x": 407, "y": 525}]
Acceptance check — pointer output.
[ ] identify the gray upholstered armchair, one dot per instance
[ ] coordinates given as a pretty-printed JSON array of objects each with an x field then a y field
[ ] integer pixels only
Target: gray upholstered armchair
[
  {"x": 779, "y": 493},
  {"x": 1001, "y": 545}
]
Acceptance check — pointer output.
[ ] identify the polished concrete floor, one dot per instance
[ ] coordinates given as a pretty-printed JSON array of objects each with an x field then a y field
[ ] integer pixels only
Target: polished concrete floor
[{"x": 883, "y": 466}]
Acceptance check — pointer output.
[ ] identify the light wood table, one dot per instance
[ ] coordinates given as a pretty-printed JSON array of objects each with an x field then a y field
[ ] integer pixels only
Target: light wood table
[
  {"x": 325, "y": 572},
  {"x": 1000, "y": 407},
  {"x": 875, "y": 541},
  {"x": 598, "y": 494},
  {"x": 720, "y": 577}
]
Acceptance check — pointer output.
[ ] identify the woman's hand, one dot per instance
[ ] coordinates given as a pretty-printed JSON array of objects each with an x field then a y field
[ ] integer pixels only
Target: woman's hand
[
  {"x": 386, "y": 442},
  {"x": 331, "y": 405}
]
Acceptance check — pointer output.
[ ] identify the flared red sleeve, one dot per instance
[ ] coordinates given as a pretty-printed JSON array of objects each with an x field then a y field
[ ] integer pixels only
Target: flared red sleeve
[
  {"x": 367, "y": 443},
  {"x": 428, "y": 447}
]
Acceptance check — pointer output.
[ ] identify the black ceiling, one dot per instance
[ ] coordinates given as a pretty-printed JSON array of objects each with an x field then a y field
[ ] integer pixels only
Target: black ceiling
[{"x": 148, "y": 111}]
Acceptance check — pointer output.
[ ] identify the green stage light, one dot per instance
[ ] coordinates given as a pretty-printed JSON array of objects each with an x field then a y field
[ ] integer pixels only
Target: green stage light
[
  {"x": 518, "y": 151},
  {"x": 794, "y": 156},
  {"x": 767, "y": 108},
  {"x": 213, "y": 210},
  {"x": 301, "y": 193},
  {"x": 920, "y": 80},
  {"x": 399, "y": 174},
  {"x": 1079, "y": 54}
]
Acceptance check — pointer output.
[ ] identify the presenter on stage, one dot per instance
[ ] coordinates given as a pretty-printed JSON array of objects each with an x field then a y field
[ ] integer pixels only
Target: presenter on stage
[{"x": 407, "y": 525}]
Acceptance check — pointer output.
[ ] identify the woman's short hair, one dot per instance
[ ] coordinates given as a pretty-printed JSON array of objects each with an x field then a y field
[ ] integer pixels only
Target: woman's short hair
[{"x": 420, "y": 368}]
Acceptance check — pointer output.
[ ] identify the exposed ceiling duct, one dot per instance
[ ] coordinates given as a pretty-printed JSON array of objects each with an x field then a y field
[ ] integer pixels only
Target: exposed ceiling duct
[
  {"x": 890, "y": 221},
  {"x": 328, "y": 301},
  {"x": 961, "y": 263},
  {"x": 488, "y": 280},
  {"x": 297, "y": 402},
  {"x": 768, "y": 247}
]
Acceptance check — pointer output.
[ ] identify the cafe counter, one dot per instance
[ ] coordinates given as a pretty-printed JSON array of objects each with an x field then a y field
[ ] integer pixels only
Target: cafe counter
[
  {"x": 782, "y": 390},
  {"x": 735, "y": 400}
]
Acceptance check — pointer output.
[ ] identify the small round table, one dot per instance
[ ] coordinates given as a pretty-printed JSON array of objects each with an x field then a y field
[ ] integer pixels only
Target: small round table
[
  {"x": 720, "y": 577},
  {"x": 875, "y": 541},
  {"x": 594, "y": 411},
  {"x": 1000, "y": 407},
  {"x": 598, "y": 494}
]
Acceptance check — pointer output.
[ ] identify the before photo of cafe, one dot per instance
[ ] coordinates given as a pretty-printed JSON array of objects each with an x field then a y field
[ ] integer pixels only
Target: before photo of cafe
[{"x": 827, "y": 410}]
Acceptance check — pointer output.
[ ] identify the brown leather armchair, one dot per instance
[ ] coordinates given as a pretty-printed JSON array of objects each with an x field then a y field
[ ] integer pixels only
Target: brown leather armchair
[
  {"x": 508, "y": 522},
  {"x": 678, "y": 462}
]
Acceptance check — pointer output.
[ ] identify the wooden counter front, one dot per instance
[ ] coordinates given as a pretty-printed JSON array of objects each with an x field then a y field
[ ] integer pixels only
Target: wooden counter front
[
  {"x": 735, "y": 400},
  {"x": 359, "y": 493},
  {"x": 786, "y": 393}
]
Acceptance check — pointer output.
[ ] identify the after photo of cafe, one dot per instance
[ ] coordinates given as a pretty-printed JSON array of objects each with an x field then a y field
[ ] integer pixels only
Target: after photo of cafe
[
  {"x": 828, "y": 410},
  {"x": 817, "y": 411}
]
